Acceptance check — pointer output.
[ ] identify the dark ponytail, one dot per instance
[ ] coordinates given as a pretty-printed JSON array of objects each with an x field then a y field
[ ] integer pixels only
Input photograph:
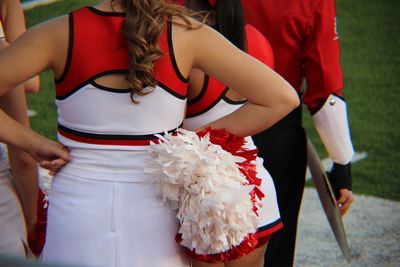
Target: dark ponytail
[{"x": 230, "y": 22}]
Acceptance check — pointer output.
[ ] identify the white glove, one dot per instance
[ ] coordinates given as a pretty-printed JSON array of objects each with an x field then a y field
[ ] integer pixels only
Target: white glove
[{"x": 332, "y": 126}]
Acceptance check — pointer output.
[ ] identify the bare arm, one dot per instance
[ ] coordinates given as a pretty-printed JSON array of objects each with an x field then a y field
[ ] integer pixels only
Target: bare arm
[
  {"x": 14, "y": 20},
  {"x": 23, "y": 167},
  {"x": 14, "y": 26},
  {"x": 270, "y": 96},
  {"x": 38, "y": 48}
]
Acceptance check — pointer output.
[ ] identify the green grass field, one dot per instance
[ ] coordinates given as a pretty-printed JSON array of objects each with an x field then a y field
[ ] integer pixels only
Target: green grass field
[{"x": 369, "y": 32}]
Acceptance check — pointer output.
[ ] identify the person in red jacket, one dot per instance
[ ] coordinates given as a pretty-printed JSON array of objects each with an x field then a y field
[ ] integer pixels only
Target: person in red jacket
[{"x": 303, "y": 35}]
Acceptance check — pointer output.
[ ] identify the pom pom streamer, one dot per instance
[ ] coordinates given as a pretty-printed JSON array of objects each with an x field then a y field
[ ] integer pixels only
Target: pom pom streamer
[
  {"x": 45, "y": 181},
  {"x": 210, "y": 179}
]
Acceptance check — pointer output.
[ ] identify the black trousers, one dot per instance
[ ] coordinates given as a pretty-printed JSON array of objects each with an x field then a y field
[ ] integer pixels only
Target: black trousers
[{"x": 283, "y": 148}]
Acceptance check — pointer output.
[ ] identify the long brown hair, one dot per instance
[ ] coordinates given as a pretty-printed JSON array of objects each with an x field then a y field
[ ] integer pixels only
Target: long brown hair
[{"x": 142, "y": 28}]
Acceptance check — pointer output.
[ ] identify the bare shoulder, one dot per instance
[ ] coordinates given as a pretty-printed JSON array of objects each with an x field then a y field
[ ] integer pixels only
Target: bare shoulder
[
  {"x": 193, "y": 31},
  {"x": 58, "y": 25},
  {"x": 44, "y": 35},
  {"x": 8, "y": 7},
  {"x": 188, "y": 25},
  {"x": 11, "y": 3},
  {"x": 52, "y": 33},
  {"x": 45, "y": 44},
  {"x": 54, "y": 36}
]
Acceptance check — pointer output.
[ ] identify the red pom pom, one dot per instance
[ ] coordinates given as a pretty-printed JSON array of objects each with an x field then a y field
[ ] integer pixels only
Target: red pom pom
[
  {"x": 212, "y": 3},
  {"x": 37, "y": 239},
  {"x": 246, "y": 247}
]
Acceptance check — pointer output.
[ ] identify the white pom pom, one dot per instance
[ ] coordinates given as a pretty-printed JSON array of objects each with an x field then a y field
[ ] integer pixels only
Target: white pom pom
[
  {"x": 45, "y": 181},
  {"x": 205, "y": 184}
]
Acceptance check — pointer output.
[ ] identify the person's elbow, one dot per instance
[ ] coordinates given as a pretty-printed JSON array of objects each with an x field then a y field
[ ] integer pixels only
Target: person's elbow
[
  {"x": 32, "y": 85},
  {"x": 291, "y": 100}
]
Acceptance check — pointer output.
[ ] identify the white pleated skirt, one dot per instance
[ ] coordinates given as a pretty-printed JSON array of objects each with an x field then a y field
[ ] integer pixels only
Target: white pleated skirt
[
  {"x": 108, "y": 223},
  {"x": 12, "y": 224},
  {"x": 269, "y": 215}
]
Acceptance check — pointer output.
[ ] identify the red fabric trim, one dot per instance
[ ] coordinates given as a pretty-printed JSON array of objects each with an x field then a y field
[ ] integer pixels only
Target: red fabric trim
[
  {"x": 258, "y": 47},
  {"x": 269, "y": 231},
  {"x": 37, "y": 239},
  {"x": 263, "y": 240},
  {"x": 90, "y": 140},
  {"x": 265, "y": 235},
  {"x": 212, "y": 3},
  {"x": 212, "y": 93},
  {"x": 246, "y": 247}
]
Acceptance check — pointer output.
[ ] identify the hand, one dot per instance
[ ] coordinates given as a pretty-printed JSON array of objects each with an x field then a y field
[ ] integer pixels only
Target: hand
[
  {"x": 344, "y": 201},
  {"x": 340, "y": 180},
  {"x": 50, "y": 155},
  {"x": 53, "y": 166}
]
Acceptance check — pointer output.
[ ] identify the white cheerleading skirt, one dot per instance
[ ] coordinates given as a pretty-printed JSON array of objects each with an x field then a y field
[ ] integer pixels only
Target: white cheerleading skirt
[
  {"x": 270, "y": 219},
  {"x": 107, "y": 219},
  {"x": 269, "y": 216},
  {"x": 12, "y": 224}
]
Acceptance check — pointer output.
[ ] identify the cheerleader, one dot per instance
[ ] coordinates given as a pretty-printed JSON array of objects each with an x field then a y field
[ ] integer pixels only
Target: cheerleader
[
  {"x": 121, "y": 71},
  {"x": 210, "y": 100}
]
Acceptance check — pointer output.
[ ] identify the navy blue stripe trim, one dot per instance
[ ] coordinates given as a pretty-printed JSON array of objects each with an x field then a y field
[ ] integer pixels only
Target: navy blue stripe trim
[
  {"x": 210, "y": 106},
  {"x": 113, "y": 136},
  {"x": 114, "y": 90},
  {"x": 270, "y": 225},
  {"x": 172, "y": 54},
  {"x": 77, "y": 88},
  {"x": 234, "y": 102},
  {"x": 117, "y": 71},
  {"x": 70, "y": 46},
  {"x": 169, "y": 90},
  {"x": 109, "y": 89},
  {"x": 106, "y": 13},
  {"x": 202, "y": 92}
]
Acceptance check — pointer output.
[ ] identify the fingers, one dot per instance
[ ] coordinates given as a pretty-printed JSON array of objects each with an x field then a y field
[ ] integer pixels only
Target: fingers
[
  {"x": 53, "y": 166},
  {"x": 53, "y": 156},
  {"x": 46, "y": 151},
  {"x": 345, "y": 200},
  {"x": 63, "y": 155}
]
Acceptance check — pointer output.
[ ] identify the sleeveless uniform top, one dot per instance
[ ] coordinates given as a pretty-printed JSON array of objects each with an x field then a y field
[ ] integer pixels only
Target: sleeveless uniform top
[
  {"x": 95, "y": 116},
  {"x": 212, "y": 102},
  {"x": 98, "y": 123}
]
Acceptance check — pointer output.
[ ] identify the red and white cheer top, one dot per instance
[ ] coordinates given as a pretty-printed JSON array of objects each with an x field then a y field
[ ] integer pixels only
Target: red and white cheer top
[
  {"x": 212, "y": 102},
  {"x": 94, "y": 116}
]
